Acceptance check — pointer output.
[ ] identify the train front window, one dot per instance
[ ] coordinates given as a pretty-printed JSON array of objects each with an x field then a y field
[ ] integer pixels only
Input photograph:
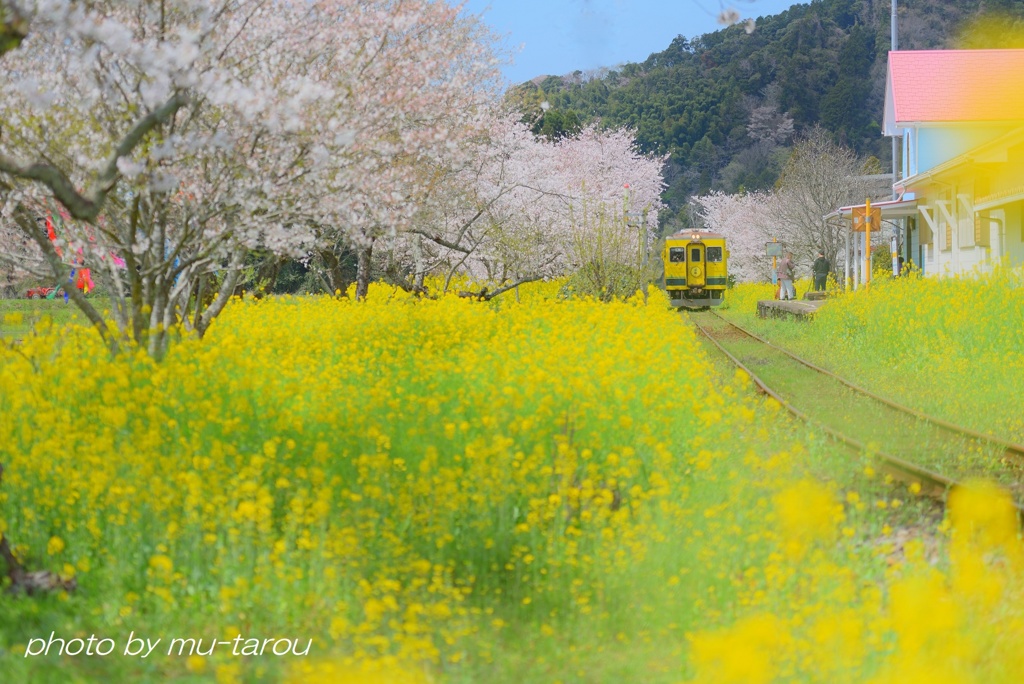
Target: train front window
[
  {"x": 714, "y": 254},
  {"x": 695, "y": 255},
  {"x": 677, "y": 254}
]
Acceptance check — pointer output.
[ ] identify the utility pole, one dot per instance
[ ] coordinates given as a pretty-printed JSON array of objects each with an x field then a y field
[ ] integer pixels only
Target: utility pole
[
  {"x": 894, "y": 45},
  {"x": 898, "y": 231}
]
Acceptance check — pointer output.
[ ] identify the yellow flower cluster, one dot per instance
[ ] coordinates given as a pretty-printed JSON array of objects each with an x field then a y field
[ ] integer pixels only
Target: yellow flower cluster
[
  {"x": 452, "y": 490},
  {"x": 396, "y": 478},
  {"x": 952, "y": 622}
]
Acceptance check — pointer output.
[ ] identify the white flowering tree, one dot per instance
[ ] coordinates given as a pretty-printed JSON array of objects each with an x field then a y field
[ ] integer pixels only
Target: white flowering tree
[
  {"x": 615, "y": 197},
  {"x": 746, "y": 222},
  {"x": 437, "y": 81},
  {"x": 519, "y": 208},
  {"x": 176, "y": 135},
  {"x": 484, "y": 214}
]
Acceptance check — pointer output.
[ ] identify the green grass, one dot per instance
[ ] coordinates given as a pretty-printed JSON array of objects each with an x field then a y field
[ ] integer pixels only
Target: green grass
[
  {"x": 18, "y": 317},
  {"x": 872, "y": 423},
  {"x": 951, "y": 347}
]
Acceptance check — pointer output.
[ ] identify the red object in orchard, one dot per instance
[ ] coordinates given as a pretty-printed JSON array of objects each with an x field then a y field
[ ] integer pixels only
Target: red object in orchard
[{"x": 38, "y": 292}]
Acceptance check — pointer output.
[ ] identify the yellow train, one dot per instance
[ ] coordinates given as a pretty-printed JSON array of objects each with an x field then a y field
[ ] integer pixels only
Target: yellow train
[{"x": 696, "y": 268}]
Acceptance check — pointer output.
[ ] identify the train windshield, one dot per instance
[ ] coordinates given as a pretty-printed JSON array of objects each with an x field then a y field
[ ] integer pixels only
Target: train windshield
[
  {"x": 714, "y": 254},
  {"x": 695, "y": 255},
  {"x": 677, "y": 254}
]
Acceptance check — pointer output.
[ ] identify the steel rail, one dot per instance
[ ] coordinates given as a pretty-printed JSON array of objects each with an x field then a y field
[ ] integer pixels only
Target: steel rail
[
  {"x": 906, "y": 467},
  {"x": 1012, "y": 447}
]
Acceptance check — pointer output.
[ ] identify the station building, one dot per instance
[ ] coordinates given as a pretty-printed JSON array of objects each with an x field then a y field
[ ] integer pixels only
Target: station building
[{"x": 959, "y": 118}]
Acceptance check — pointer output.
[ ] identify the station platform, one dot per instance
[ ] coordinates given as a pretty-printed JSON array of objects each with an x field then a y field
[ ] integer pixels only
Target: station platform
[{"x": 792, "y": 308}]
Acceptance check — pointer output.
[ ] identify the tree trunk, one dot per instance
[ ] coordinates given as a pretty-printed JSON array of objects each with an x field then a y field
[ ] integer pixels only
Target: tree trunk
[
  {"x": 266, "y": 276},
  {"x": 157, "y": 334},
  {"x": 227, "y": 288},
  {"x": 420, "y": 273},
  {"x": 365, "y": 255},
  {"x": 336, "y": 280},
  {"x": 200, "y": 293}
]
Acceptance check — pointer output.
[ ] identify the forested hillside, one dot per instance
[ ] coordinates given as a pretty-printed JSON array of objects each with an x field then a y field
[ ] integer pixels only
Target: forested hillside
[{"x": 727, "y": 104}]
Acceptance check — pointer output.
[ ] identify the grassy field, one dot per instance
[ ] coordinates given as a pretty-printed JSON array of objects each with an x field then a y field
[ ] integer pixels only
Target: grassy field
[
  {"x": 879, "y": 427},
  {"x": 454, "y": 491},
  {"x": 19, "y": 316},
  {"x": 953, "y": 346}
]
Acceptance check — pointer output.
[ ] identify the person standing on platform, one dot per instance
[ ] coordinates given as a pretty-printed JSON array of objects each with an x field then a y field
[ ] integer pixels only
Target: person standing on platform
[
  {"x": 786, "y": 269},
  {"x": 821, "y": 268}
]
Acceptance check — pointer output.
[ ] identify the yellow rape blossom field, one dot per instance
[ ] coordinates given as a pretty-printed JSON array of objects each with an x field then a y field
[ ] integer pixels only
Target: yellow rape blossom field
[{"x": 405, "y": 491}]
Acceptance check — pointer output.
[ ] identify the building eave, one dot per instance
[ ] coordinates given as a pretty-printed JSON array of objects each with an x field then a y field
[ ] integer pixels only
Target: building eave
[{"x": 897, "y": 208}]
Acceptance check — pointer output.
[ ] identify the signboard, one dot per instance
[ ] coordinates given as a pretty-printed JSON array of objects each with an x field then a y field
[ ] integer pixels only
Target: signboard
[
  {"x": 773, "y": 249},
  {"x": 859, "y": 224}
]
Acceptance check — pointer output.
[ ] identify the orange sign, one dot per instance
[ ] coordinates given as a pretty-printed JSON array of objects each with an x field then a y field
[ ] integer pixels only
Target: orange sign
[{"x": 859, "y": 222}]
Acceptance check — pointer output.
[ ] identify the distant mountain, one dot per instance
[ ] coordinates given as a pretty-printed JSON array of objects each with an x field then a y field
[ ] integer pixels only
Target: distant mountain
[{"x": 728, "y": 104}]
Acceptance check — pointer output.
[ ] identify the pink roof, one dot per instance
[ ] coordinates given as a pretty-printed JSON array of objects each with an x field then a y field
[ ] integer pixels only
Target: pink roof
[{"x": 955, "y": 85}]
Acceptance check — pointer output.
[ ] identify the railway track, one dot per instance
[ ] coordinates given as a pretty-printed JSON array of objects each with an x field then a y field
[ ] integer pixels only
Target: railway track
[{"x": 919, "y": 447}]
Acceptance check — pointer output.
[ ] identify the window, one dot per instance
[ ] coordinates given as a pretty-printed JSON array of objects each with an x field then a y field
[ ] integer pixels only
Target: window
[
  {"x": 714, "y": 254},
  {"x": 924, "y": 235},
  {"x": 677, "y": 254},
  {"x": 695, "y": 255},
  {"x": 982, "y": 231}
]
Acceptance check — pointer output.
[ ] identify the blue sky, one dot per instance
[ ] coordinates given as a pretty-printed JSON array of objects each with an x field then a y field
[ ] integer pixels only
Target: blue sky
[{"x": 560, "y": 36}]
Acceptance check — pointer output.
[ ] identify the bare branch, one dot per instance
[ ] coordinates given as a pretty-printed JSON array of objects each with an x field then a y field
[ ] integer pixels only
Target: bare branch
[{"x": 441, "y": 241}]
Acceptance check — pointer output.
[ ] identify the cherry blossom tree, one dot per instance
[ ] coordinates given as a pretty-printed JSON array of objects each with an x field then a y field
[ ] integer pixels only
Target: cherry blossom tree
[
  {"x": 177, "y": 135},
  {"x": 439, "y": 82},
  {"x": 615, "y": 198},
  {"x": 491, "y": 217},
  {"x": 746, "y": 222},
  {"x": 47, "y": 148},
  {"x": 524, "y": 208}
]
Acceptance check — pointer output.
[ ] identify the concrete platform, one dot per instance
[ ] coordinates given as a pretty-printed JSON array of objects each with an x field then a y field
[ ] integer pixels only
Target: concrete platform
[{"x": 775, "y": 308}]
